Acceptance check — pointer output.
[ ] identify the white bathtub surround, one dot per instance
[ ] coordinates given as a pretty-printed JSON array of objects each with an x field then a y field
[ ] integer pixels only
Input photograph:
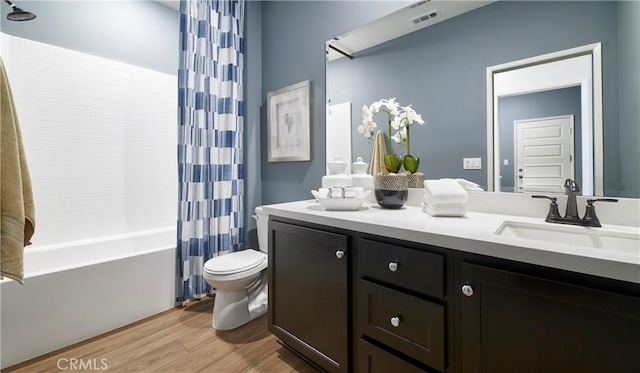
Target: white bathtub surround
[
  {"x": 100, "y": 140},
  {"x": 78, "y": 290}
]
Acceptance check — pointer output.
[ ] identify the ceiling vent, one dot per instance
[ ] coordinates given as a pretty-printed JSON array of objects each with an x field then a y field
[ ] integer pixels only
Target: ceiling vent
[{"x": 425, "y": 17}]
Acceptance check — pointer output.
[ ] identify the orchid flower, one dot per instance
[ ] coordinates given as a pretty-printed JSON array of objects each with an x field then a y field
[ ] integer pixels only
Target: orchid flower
[
  {"x": 400, "y": 136},
  {"x": 400, "y": 118}
]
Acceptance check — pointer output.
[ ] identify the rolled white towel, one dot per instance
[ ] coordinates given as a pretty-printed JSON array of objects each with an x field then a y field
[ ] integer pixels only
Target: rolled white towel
[
  {"x": 445, "y": 210},
  {"x": 445, "y": 191}
]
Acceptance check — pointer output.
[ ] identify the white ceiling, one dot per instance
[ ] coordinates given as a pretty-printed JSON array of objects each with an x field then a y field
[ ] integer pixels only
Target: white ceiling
[
  {"x": 173, "y": 4},
  {"x": 399, "y": 23}
]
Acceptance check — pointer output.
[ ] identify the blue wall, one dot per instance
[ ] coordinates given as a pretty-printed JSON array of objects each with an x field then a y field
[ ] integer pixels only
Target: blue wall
[
  {"x": 628, "y": 15},
  {"x": 253, "y": 100},
  {"x": 293, "y": 38},
  {"x": 441, "y": 71}
]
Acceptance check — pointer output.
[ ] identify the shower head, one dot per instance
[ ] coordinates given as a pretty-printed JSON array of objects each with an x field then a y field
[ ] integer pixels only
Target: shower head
[{"x": 18, "y": 14}]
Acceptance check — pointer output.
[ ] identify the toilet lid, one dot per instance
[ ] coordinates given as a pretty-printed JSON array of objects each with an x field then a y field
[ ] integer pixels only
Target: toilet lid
[{"x": 235, "y": 262}]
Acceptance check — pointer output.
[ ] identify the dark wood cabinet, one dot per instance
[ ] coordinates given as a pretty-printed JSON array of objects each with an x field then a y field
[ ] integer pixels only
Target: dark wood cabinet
[
  {"x": 372, "y": 359},
  {"x": 353, "y": 302},
  {"x": 308, "y": 293},
  {"x": 512, "y": 322},
  {"x": 403, "y": 322},
  {"x": 400, "y": 306}
]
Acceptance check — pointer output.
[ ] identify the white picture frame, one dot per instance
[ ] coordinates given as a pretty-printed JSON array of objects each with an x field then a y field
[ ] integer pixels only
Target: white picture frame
[{"x": 288, "y": 123}]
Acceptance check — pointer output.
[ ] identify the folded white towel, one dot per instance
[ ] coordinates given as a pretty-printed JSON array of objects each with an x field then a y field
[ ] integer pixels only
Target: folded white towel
[
  {"x": 445, "y": 210},
  {"x": 469, "y": 185},
  {"x": 445, "y": 191},
  {"x": 427, "y": 200},
  {"x": 443, "y": 205}
]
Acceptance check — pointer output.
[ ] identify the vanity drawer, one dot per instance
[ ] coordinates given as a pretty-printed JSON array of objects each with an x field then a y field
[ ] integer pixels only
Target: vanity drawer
[
  {"x": 371, "y": 359},
  {"x": 415, "y": 270},
  {"x": 408, "y": 324}
]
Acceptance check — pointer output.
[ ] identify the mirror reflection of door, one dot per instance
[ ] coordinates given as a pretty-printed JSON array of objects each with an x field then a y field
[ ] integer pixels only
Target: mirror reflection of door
[
  {"x": 545, "y": 104},
  {"x": 544, "y": 154}
]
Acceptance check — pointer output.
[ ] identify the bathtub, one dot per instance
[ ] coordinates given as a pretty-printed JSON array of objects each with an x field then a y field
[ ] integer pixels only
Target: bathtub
[{"x": 78, "y": 290}]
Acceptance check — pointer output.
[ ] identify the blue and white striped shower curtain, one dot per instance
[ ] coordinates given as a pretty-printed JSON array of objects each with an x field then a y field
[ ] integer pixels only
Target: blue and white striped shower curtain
[{"x": 210, "y": 127}]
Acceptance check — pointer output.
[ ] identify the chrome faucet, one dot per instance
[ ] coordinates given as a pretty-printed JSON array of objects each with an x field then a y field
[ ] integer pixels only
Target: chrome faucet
[{"x": 571, "y": 212}]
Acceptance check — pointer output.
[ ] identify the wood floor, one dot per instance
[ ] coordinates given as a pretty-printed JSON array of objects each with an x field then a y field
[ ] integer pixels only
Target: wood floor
[{"x": 176, "y": 341}]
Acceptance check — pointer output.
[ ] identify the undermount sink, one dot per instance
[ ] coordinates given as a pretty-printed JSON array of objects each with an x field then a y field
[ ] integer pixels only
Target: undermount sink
[{"x": 626, "y": 239}]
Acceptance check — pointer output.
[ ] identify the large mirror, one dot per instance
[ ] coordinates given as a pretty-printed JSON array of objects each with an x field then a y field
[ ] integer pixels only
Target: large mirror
[{"x": 441, "y": 71}]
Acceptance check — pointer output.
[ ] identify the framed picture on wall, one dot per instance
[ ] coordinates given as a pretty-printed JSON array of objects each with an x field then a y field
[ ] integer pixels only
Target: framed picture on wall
[{"x": 288, "y": 127}]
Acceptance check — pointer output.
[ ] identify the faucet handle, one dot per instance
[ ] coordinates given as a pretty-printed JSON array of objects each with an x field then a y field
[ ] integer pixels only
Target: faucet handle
[
  {"x": 553, "y": 213},
  {"x": 591, "y": 201},
  {"x": 590, "y": 213}
]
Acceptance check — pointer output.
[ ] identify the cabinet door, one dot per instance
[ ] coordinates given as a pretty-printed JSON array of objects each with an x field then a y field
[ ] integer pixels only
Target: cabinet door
[
  {"x": 308, "y": 293},
  {"x": 408, "y": 324},
  {"x": 517, "y": 323},
  {"x": 374, "y": 360}
]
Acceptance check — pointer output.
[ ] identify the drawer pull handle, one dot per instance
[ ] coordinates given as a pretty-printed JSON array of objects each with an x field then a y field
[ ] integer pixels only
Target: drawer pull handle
[
  {"x": 395, "y": 321},
  {"x": 339, "y": 254},
  {"x": 393, "y": 266},
  {"x": 467, "y": 290}
]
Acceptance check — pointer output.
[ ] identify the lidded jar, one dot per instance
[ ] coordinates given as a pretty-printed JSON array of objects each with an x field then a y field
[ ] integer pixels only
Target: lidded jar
[
  {"x": 359, "y": 174},
  {"x": 337, "y": 167},
  {"x": 337, "y": 176}
]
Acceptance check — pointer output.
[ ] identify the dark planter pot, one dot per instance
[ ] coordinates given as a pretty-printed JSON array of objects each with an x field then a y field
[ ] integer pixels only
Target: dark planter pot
[
  {"x": 391, "y": 190},
  {"x": 391, "y": 199}
]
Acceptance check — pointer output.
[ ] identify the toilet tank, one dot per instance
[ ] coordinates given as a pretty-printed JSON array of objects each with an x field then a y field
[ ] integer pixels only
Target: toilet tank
[{"x": 262, "y": 220}]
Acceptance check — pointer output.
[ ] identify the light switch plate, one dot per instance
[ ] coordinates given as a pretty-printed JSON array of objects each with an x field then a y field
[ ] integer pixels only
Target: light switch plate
[{"x": 472, "y": 163}]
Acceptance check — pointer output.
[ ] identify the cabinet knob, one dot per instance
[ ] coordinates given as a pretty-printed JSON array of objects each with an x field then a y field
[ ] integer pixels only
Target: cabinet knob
[
  {"x": 339, "y": 254},
  {"x": 393, "y": 266},
  {"x": 467, "y": 290},
  {"x": 395, "y": 321}
]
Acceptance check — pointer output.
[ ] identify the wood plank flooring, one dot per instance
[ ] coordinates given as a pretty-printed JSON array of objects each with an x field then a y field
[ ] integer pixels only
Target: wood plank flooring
[{"x": 175, "y": 341}]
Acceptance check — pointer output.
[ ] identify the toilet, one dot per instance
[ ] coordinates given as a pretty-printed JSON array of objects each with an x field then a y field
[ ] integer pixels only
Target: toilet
[{"x": 240, "y": 280}]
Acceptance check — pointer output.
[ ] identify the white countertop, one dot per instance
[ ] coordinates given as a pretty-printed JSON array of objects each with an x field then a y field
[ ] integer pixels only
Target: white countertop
[{"x": 473, "y": 233}]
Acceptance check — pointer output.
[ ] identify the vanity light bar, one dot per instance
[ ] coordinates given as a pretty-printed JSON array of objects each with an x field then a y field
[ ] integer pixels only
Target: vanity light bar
[{"x": 424, "y": 17}]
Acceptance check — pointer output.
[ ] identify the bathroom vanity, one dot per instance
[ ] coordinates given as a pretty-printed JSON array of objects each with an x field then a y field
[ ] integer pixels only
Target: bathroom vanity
[{"x": 400, "y": 291}]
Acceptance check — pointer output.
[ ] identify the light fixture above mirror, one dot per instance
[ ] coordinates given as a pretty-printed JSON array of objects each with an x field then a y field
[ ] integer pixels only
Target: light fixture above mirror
[{"x": 411, "y": 18}]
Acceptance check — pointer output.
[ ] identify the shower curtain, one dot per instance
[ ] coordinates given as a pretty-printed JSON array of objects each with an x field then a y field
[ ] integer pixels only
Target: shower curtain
[{"x": 210, "y": 127}]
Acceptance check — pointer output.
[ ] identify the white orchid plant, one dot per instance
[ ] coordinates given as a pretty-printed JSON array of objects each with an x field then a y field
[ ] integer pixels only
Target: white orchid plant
[{"x": 400, "y": 119}]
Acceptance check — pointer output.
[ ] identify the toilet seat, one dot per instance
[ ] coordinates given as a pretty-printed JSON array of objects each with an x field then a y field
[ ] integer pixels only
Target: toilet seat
[{"x": 237, "y": 262}]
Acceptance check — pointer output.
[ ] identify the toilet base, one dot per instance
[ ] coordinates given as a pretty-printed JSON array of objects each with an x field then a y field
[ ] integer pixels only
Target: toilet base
[{"x": 233, "y": 309}]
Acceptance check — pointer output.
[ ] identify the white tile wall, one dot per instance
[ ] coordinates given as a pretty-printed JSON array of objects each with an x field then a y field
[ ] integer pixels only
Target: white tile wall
[{"x": 100, "y": 141}]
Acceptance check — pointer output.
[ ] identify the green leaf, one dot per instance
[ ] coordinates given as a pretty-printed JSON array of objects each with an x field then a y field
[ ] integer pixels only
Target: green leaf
[
  {"x": 393, "y": 162},
  {"x": 411, "y": 163}
]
